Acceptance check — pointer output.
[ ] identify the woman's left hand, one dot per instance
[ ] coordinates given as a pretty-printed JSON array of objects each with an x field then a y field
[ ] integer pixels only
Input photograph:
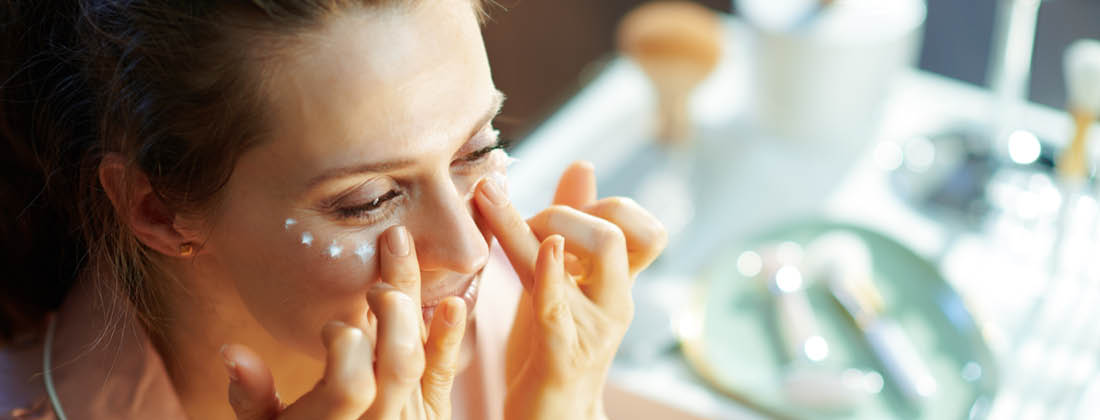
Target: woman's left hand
[{"x": 576, "y": 304}]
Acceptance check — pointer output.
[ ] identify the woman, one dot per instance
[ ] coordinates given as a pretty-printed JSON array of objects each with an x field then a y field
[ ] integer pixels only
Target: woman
[{"x": 257, "y": 196}]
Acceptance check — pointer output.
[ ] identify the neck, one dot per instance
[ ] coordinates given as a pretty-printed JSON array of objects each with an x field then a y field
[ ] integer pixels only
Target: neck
[{"x": 190, "y": 345}]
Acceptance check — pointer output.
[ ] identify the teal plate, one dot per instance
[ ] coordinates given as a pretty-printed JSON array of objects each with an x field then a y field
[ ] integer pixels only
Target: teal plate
[{"x": 729, "y": 337}]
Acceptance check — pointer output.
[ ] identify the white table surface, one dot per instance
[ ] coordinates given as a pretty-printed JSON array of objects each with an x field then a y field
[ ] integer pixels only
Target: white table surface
[{"x": 753, "y": 181}]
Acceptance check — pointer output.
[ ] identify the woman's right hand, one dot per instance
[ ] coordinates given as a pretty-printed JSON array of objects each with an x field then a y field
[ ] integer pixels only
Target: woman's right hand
[{"x": 404, "y": 375}]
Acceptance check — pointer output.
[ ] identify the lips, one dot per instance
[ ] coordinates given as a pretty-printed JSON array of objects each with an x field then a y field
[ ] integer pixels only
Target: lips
[{"x": 466, "y": 289}]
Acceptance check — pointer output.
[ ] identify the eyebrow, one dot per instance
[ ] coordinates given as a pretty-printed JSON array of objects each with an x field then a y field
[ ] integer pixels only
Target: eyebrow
[{"x": 392, "y": 165}]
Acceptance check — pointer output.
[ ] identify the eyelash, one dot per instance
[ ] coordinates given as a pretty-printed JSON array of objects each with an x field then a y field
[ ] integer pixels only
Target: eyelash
[
  {"x": 479, "y": 155},
  {"x": 369, "y": 213}
]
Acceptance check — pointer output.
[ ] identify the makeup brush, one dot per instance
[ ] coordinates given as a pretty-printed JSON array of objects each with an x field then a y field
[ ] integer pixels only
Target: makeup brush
[
  {"x": 843, "y": 260},
  {"x": 677, "y": 44},
  {"x": 1082, "y": 70},
  {"x": 811, "y": 379},
  {"x": 1082, "y": 73}
]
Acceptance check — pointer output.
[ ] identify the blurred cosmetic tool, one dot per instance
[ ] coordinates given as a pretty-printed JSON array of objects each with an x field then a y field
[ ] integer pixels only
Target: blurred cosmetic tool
[
  {"x": 795, "y": 316},
  {"x": 845, "y": 262},
  {"x": 1082, "y": 67},
  {"x": 808, "y": 382},
  {"x": 676, "y": 44}
]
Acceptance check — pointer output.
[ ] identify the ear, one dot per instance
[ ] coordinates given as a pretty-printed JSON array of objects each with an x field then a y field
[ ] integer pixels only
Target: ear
[{"x": 140, "y": 209}]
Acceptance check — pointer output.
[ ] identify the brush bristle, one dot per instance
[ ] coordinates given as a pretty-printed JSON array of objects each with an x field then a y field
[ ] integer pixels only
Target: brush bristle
[{"x": 1082, "y": 67}]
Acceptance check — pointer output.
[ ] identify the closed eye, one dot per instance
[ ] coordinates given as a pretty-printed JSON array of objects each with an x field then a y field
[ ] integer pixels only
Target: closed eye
[
  {"x": 482, "y": 153},
  {"x": 369, "y": 209}
]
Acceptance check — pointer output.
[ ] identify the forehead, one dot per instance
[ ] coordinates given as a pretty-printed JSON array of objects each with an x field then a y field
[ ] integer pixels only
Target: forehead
[{"x": 380, "y": 84}]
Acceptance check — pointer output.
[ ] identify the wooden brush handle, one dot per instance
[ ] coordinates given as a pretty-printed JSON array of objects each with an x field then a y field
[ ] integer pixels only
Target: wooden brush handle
[
  {"x": 677, "y": 44},
  {"x": 1073, "y": 163}
]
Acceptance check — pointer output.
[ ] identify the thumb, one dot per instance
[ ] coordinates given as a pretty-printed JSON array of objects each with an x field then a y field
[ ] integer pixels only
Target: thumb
[{"x": 251, "y": 387}]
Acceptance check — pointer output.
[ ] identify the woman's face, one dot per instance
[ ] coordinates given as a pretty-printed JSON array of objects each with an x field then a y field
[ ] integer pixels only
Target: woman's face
[{"x": 381, "y": 118}]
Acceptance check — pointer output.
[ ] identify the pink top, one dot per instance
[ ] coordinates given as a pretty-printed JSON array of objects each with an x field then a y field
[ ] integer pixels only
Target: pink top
[{"x": 120, "y": 375}]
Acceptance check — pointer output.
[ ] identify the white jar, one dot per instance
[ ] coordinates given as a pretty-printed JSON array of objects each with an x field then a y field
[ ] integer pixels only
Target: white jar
[{"x": 826, "y": 77}]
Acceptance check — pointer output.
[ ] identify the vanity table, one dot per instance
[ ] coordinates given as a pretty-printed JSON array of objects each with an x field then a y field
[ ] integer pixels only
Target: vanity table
[{"x": 746, "y": 182}]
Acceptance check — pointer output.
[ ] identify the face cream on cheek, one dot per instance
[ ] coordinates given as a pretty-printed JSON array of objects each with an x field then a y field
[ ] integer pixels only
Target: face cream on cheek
[
  {"x": 361, "y": 249},
  {"x": 334, "y": 250},
  {"x": 364, "y": 251},
  {"x": 358, "y": 245}
]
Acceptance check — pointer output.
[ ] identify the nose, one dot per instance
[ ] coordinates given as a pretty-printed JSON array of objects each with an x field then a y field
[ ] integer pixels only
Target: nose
[{"x": 447, "y": 237}]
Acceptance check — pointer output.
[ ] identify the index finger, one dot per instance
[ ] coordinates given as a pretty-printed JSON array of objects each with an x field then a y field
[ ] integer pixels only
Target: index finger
[
  {"x": 398, "y": 263},
  {"x": 511, "y": 230}
]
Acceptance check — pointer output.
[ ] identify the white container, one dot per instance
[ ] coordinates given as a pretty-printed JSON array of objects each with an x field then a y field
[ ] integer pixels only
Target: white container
[{"x": 826, "y": 77}]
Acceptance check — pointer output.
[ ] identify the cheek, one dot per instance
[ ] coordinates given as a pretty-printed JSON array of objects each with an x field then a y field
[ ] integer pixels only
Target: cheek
[
  {"x": 298, "y": 275},
  {"x": 343, "y": 260}
]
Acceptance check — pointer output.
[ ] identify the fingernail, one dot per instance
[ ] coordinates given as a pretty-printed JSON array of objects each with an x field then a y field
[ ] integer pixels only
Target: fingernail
[
  {"x": 230, "y": 365},
  {"x": 559, "y": 248},
  {"x": 492, "y": 191},
  {"x": 397, "y": 240},
  {"x": 450, "y": 313}
]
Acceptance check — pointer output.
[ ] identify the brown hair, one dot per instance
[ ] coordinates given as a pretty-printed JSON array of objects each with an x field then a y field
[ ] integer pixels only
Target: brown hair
[{"x": 166, "y": 85}]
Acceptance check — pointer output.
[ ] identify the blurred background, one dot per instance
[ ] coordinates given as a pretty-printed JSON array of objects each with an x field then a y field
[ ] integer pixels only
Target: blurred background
[
  {"x": 562, "y": 44},
  {"x": 877, "y": 209}
]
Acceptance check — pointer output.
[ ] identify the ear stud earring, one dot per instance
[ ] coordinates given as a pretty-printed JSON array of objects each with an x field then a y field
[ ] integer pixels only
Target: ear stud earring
[{"x": 187, "y": 249}]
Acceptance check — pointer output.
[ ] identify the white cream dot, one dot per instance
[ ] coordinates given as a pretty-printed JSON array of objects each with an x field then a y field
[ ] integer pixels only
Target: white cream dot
[
  {"x": 364, "y": 251},
  {"x": 335, "y": 250}
]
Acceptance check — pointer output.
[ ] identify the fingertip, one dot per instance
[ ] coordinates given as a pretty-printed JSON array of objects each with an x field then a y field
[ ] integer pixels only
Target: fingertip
[
  {"x": 490, "y": 193},
  {"x": 549, "y": 272},
  {"x": 454, "y": 311},
  {"x": 559, "y": 247},
  {"x": 398, "y": 241},
  {"x": 240, "y": 360},
  {"x": 552, "y": 248},
  {"x": 584, "y": 165},
  {"x": 342, "y": 340},
  {"x": 230, "y": 363},
  {"x": 251, "y": 386},
  {"x": 481, "y": 183},
  {"x": 331, "y": 330}
]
